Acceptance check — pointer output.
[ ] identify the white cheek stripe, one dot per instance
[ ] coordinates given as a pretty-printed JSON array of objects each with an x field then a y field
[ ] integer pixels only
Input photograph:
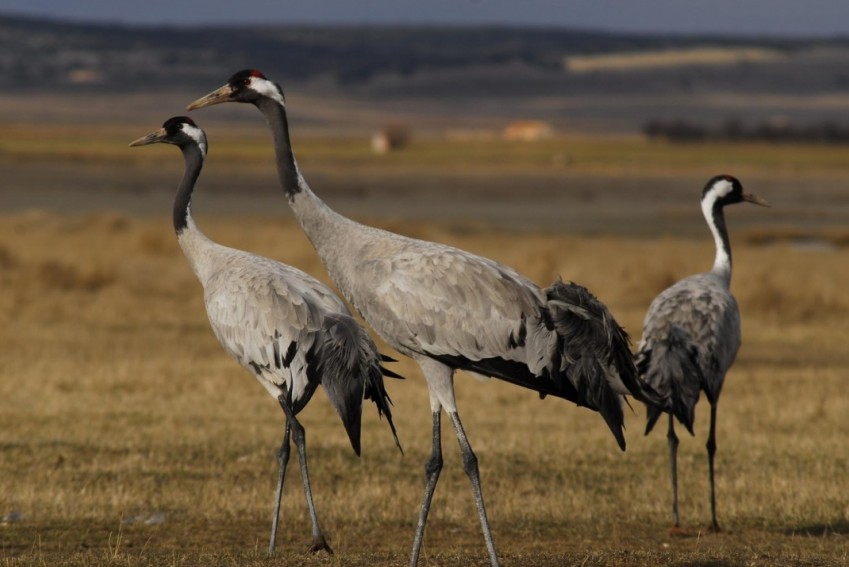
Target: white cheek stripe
[
  {"x": 707, "y": 204},
  {"x": 197, "y": 135},
  {"x": 267, "y": 89},
  {"x": 722, "y": 188},
  {"x": 719, "y": 190}
]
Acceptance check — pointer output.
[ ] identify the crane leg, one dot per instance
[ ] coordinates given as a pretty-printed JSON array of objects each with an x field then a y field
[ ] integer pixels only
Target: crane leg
[
  {"x": 470, "y": 465},
  {"x": 283, "y": 460},
  {"x": 432, "y": 469},
  {"x": 440, "y": 386},
  {"x": 711, "y": 451},
  {"x": 319, "y": 543},
  {"x": 672, "y": 439}
]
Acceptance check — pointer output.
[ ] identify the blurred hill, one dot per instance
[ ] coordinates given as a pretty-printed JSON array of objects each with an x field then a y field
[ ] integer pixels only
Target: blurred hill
[
  {"x": 396, "y": 61},
  {"x": 72, "y": 95}
]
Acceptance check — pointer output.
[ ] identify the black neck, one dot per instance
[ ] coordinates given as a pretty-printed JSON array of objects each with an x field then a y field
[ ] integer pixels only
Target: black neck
[
  {"x": 194, "y": 162},
  {"x": 287, "y": 169}
]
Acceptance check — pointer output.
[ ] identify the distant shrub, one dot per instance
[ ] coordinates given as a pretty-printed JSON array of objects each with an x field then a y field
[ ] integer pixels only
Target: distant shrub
[{"x": 733, "y": 129}]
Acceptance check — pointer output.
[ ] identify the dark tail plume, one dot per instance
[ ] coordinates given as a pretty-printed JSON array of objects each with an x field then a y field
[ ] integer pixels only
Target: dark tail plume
[
  {"x": 670, "y": 368},
  {"x": 346, "y": 362},
  {"x": 594, "y": 351},
  {"x": 376, "y": 392}
]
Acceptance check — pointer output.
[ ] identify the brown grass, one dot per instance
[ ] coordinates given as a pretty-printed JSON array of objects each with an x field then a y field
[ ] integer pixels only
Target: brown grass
[
  {"x": 97, "y": 145},
  {"x": 127, "y": 437}
]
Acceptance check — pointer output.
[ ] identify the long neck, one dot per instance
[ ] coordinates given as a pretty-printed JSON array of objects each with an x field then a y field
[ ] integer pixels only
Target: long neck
[
  {"x": 182, "y": 202},
  {"x": 196, "y": 246},
  {"x": 322, "y": 225},
  {"x": 287, "y": 167},
  {"x": 715, "y": 218}
]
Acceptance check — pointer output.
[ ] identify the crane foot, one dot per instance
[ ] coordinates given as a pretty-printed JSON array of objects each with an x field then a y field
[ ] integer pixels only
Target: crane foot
[
  {"x": 678, "y": 531},
  {"x": 714, "y": 528},
  {"x": 320, "y": 544}
]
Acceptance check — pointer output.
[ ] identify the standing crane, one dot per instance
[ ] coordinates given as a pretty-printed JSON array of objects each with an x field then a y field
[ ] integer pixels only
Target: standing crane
[
  {"x": 451, "y": 310},
  {"x": 691, "y": 334},
  {"x": 282, "y": 325}
]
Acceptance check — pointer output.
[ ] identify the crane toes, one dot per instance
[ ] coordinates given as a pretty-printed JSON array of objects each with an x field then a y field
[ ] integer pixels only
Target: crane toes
[
  {"x": 320, "y": 544},
  {"x": 678, "y": 531},
  {"x": 714, "y": 528}
]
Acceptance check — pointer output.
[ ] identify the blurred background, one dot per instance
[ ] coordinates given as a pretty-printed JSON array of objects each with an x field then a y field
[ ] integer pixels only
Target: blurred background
[
  {"x": 560, "y": 138},
  {"x": 595, "y": 116}
]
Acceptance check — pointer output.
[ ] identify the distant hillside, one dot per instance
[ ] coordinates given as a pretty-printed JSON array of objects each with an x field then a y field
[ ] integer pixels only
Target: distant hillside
[{"x": 46, "y": 54}]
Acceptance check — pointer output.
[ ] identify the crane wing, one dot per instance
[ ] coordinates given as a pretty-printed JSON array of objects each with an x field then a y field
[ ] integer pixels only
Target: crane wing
[
  {"x": 442, "y": 301},
  {"x": 266, "y": 316},
  {"x": 691, "y": 335},
  {"x": 293, "y": 333}
]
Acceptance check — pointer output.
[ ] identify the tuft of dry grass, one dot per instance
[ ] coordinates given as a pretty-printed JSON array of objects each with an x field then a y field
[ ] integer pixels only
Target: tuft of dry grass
[{"x": 127, "y": 437}]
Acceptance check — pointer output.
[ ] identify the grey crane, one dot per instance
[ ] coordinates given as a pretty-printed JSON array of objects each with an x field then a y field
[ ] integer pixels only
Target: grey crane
[
  {"x": 691, "y": 334},
  {"x": 283, "y": 326},
  {"x": 449, "y": 310}
]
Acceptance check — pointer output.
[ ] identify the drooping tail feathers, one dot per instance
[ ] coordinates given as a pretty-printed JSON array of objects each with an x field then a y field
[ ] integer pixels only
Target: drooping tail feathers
[
  {"x": 670, "y": 368},
  {"x": 594, "y": 351},
  {"x": 346, "y": 362},
  {"x": 376, "y": 392}
]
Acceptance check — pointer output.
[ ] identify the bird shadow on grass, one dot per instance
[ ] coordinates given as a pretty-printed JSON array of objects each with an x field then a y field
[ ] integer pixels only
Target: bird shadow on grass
[{"x": 840, "y": 527}]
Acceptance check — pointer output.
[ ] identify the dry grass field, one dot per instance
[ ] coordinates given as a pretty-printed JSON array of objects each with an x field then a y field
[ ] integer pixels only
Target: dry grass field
[{"x": 127, "y": 437}]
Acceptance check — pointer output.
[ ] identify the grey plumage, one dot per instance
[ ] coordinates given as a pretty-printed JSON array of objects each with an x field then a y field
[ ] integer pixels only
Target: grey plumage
[
  {"x": 449, "y": 309},
  {"x": 293, "y": 333},
  {"x": 279, "y": 323},
  {"x": 691, "y": 335}
]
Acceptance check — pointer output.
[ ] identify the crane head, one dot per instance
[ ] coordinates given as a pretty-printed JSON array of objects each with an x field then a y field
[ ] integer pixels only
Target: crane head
[
  {"x": 248, "y": 85},
  {"x": 727, "y": 190},
  {"x": 179, "y": 130}
]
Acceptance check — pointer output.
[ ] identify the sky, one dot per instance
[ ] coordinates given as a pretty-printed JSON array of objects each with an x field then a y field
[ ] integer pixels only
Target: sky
[{"x": 758, "y": 17}]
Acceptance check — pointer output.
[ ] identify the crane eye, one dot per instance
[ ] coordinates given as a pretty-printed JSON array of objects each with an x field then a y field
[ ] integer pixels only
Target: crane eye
[{"x": 246, "y": 82}]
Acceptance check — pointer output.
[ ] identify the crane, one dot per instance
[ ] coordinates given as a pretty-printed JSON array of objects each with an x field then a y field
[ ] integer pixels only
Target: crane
[
  {"x": 451, "y": 310},
  {"x": 285, "y": 327},
  {"x": 691, "y": 335}
]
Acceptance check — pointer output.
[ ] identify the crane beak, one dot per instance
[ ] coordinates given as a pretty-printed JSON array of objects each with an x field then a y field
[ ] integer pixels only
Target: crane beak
[
  {"x": 215, "y": 97},
  {"x": 151, "y": 138},
  {"x": 751, "y": 198}
]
